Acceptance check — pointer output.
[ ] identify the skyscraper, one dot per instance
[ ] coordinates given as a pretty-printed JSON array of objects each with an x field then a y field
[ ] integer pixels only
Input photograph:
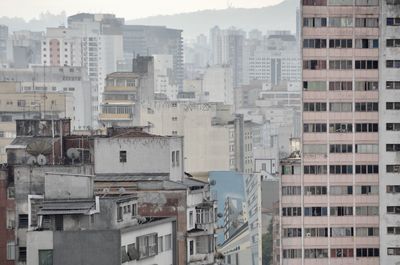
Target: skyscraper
[{"x": 330, "y": 203}]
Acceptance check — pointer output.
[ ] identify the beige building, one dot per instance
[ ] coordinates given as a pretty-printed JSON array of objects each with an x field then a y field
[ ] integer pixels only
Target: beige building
[
  {"x": 330, "y": 204},
  {"x": 15, "y": 104},
  {"x": 208, "y": 137}
]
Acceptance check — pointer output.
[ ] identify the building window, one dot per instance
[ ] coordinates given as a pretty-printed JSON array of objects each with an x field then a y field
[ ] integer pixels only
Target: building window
[
  {"x": 340, "y": 190},
  {"x": 341, "y": 169},
  {"x": 10, "y": 219},
  {"x": 316, "y": 232},
  {"x": 367, "y": 231},
  {"x": 367, "y": 210},
  {"x": 341, "y": 107},
  {"x": 122, "y": 156},
  {"x": 291, "y": 211},
  {"x": 393, "y": 105},
  {"x": 367, "y": 252},
  {"x": 342, "y": 252},
  {"x": 367, "y": 22},
  {"x": 393, "y": 64},
  {"x": 23, "y": 221},
  {"x": 366, "y": 85},
  {"x": 393, "y": 189},
  {"x": 168, "y": 242},
  {"x": 367, "y": 169},
  {"x": 393, "y": 126},
  {"x": 340, "y": 64},
  {"x": 314, "y": 127},
  {"x": 393, "y": 209},
  {"x": 393, "y": 85},
  {"x": 315, "y": 169},
  {"x": 314, "y": 65},
  {"x": 314, "y": 43},
  {"x": 160, "y": 243},
  {"x": 11, "y": 193},
  {"x": 315, "y": 211},
  {"x": 341, "y": 211},
  {"x": 22, "y": 254},
  {"x": 392, "y": 168},
  {"x": 393, "y": 21},
  {"x": 366, "y": 64},
  {"x": 191, "y": 218},
  {"x": 314, "y": 2},
  {"x": 367, "y": 190},
  {"x": 340, "y": 43},
  {"x": 341, "y": 148},
  {"x": 341, "y": 86},
  {"x": 11, "y": 250},
  {"x": 292, "y": 232},
  {"x": 147, "y": 246},
  {"x": 134, "y": 210},
  {"x": 367, "y": 127},
  {"x": 393, "y": 251},
  {"x": 367, "y": 148},
  {"x": 173, "y": 157},
  {"x": 45, "y": 257},
  {"x": 393, "y": 230},
  {"x": 341, "y": 231},
  {"x": 314, "y": 106},
  {"x": 393, "y": 147},
  {"x": 291, "y": 254},
  {"x": 291, "y": 190},
  {"x": 392, "y": 43},
  {"x": 120, "y": 213},
  {"x": 314, "y": 86},
  {"x": 367, "y": 43},
  {"x": 315, "y": 190},
  {"x": 316, "y": 253},
  {"x": 339, "y": 22},
  {"x": 366, "y": 106},
  {"x": 314, "y": 22},
  {"x": 191, "y": 247},
  {"x": 393, "y": 2},
  {"x": 340, "y": 128},
  {"x": 177, "y": 159}
]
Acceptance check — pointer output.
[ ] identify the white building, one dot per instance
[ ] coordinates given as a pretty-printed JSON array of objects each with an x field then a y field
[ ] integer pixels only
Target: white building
[
  {"x": 218, "y": 84},
  {"x": 274, "y": 60},
  {"x": 389, "y": 140},
  {"x": 163, "y": 76},
  {"x": 208, "y": 137},
  {"x": 129, "y": 152}
]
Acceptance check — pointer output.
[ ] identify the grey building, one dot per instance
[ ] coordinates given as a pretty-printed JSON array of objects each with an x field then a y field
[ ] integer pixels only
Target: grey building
[
  {"x": 150, "y": 40},
  {"x": 3, "y": 43}
]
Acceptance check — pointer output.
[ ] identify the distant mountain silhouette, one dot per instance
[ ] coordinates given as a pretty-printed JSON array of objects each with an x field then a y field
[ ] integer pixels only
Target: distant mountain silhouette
[
  {"x": 45, "y": 20},
  {"x": 277, "y": 17}
]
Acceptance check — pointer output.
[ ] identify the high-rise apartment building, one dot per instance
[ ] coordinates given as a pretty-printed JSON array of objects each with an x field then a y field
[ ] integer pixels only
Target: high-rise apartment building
[
  {"x": 334, "y": 207},
  {"x": 151, "y": 40}
]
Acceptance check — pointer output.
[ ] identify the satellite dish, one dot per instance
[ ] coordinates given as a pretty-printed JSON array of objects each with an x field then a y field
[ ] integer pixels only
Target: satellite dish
[
  {"x": 31, "y": 160},
  {"x": 73, "y": 154},
  {"x": 38, "y": 147},
  {"x": 41, "y": 160},
  {"x": 121, "y": 190}
]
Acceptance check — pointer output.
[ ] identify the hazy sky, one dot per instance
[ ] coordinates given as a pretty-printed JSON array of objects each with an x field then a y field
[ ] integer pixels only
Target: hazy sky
[{"x": 123, "y": 8}]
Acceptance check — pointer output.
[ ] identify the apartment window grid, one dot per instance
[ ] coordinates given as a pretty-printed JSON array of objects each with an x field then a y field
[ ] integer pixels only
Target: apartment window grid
[{"x": 339, "y": 127}]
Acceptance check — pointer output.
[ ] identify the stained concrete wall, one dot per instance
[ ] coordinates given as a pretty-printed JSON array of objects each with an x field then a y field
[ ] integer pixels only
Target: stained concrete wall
[
  {"x": 68, "y": 186},
  {"x": 87, "y": 247}
]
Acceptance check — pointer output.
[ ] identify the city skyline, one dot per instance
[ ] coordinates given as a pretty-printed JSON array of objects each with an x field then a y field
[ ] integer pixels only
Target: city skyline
[{"x": 122, "y": 8}]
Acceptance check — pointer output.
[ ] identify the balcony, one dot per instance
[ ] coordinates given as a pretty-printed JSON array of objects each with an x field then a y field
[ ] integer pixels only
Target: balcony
[{"x": 115, "y": 117}]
